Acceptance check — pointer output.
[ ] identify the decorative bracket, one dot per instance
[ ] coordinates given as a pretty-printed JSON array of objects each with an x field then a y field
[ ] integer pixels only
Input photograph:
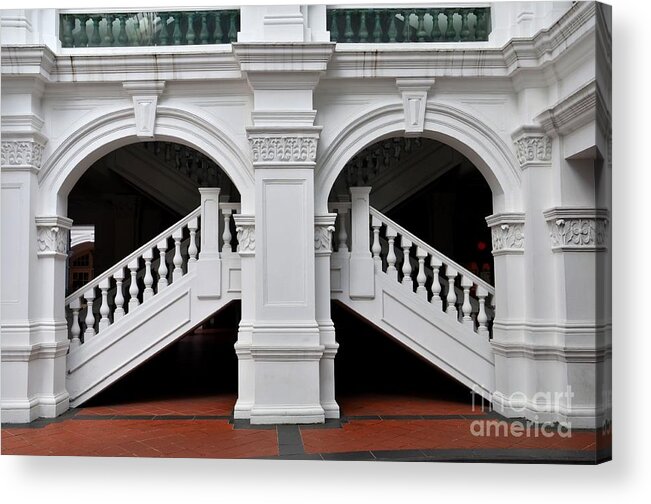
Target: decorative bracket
[
  {"x": 414, "y": 97},
  {"x": 145, "y": 100}
]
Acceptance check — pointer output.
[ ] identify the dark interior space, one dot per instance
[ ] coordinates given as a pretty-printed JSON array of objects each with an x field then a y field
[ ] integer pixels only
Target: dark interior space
[
  {"x": 370, "y": 362},
  {"x": 201, "y": 363},
  {"x": 204, "y": 363}
]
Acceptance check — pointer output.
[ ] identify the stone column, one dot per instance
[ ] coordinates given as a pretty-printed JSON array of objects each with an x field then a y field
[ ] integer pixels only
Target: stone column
[
  {"x": 323, "y": 229},
  {"x": 280, "y": 348}
]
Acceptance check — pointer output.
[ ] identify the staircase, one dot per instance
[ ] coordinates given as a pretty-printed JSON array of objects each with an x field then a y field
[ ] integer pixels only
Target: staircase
[
  {"x": 418, "y": 296},
  {"x": 150, "y": 299}
]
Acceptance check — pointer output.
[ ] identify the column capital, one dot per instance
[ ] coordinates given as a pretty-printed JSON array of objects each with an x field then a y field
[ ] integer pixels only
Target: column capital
[
  {"x": 507, "y": 231},
  {"x": 284, "y": 147},
  {"x": 22, "y": 143},
  {"x": 324, "y": 226},
  {"x": 577, "y": 229},
  {"x": 245, "y": 227},
  {"x": 533, "y": 146},
  {"x": 52, "y": 236}
]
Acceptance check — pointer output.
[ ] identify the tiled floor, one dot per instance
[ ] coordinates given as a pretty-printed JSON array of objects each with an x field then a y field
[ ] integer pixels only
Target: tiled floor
[{"x": 374, "y": 427}]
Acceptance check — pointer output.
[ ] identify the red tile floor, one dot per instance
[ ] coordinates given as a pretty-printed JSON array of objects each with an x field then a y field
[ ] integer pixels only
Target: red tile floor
[{"x": 375, "y": 427}]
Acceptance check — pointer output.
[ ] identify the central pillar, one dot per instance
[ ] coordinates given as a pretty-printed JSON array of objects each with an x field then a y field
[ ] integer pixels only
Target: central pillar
[{"x": 283, "y": 348}]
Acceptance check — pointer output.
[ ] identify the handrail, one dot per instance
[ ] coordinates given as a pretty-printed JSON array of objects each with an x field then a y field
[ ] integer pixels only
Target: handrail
[
  {"x": 432, "y": 251},
  {"x": 123, "y": 263}
]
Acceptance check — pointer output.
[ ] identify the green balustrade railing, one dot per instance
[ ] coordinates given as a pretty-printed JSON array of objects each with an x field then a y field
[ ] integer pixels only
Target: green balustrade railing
[
  {"x": 452, "y": 24},
  {"x": 149, "y": 28}
]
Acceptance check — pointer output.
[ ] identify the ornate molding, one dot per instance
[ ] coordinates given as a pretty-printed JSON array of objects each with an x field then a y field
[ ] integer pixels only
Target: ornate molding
[
  {"x": 284, "y": 149},
  {"x": 52, "y": 236},
  {"x": 507, "y": 231},
  {"x": 577, "y": 229},
  {"x": 22, "y": 153},
  {"x": 532, "y": 146},
  {"x": 245, "y": 228}
]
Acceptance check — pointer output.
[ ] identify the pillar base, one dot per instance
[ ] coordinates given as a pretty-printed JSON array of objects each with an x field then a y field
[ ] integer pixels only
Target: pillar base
[{"x": 290, "y": 414}]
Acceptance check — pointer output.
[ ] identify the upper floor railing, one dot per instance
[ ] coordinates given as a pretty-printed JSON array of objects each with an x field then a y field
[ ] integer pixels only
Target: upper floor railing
[
  {"x": 436, "y": 24},
  {"x": 148, "y": 28}
]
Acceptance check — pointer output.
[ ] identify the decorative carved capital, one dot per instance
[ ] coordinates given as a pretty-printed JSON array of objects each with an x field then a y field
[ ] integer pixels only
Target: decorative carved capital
[
  {"x": 283, "y": 149},
  {"x": 323, "y": 238},
  {"x": 533, "y": 147},
  {"x": 245, "y": 228},
  {"x": 507, "y": 230},
  {"x": 577, "y": 229},
  {"x": 52, "y": 235},
  {"x": 22, "y": 153}
]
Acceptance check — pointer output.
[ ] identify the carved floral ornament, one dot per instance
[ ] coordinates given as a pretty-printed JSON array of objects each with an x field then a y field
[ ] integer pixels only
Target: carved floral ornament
[
  {"x": 246, "y": 238},
  {"x": 323, "y": 238},
  {"x": 533, "y": 148},
  {"x": 51, "y": 240},
  {"x": 22, "y": 153},
  {"x": 507, "y": 232},
  {"x": 577, "y": 229},
  {"x": 284, "y": 149}
]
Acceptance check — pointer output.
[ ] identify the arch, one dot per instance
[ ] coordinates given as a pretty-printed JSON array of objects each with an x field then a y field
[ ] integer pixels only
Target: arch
[
  {"x": 445, "y": 123},
  {"x": 117, "y": 128}
]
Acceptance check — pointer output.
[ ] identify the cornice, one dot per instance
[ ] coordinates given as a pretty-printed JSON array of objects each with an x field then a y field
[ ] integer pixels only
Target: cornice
[{"x": 283, "y": 57}]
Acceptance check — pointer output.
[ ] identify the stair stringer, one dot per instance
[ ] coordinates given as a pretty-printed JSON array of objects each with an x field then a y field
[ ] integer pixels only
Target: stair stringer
[
  {"x": 132, "y": 340},
  {"x": 428, "y": 331}
]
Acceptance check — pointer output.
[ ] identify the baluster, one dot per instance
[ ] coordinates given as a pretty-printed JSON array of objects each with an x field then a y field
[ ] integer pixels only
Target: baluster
[
  {"x": 108, "y": 37},
  {"x": 203, "y": 34},
  {"x": 133, "y": 286},
  {"x": 481, "y": 28},
  {"x": 226, "y": 235},
  {"x": 193, "y": 225},
  {"x": 406, "y": 262},
  {"x": 162, "y": 265},
  {"x": 232, "y": 29},
  {"x": 421, "y": 33},
  {"x": 176, "y": 34},
  {"x": 451, "y": 273},
  {"x": 178, "y": 258},
  {"x": 392, "y": 30},
  {"x": 190, "y": 35},
  {"x": 436, "y": 27},
  {"x": 377, "y": 27},
  {"x": 466, "y": 307},
  {"x": 421, "y": 277},
  {"x": 348, "y": 31},
  {"x": 68, "y": 26},
  {"x": 123, "y": 40},
  {"x": 75, "y": 329},
  {"x": 95, "y": 39},
  {"x": 218, "y": 34},
  {"x": 343, "y": 233},
  {"x": 450, "y": 33},
  {"x": 148, "y": 293},
  {"x": 334, "y": 29},
  {"x": 83, "y": 35},
  {"x": 376, "y": 248},
  {"x": 89, "y": 296},
  {"x": 391, "y": 254},
  {"x": 465, "y": 30},
  {"x": 119, "y": 296},
  {"x": 435, "y": 264},
  {"x": 363, "y": 30},
  {"x": 138, "y": 34},
  {"x": 163, "y": 37},
  {"x": 104, "y": 309},
  {"x": 482, "y": 317}
]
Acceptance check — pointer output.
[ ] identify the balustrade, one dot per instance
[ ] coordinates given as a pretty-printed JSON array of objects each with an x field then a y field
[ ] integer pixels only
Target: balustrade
[
  {"x": 148, "y": 274},
  {"x": 148, "y": 28},
  {"x": 465, "y": 297},
  {"x": 448, "y": 24}
]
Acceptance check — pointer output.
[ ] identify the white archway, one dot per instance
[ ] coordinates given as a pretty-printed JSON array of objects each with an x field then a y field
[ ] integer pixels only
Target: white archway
[
  {"x": 445, "y": 123},
  {"x": 117, "y": 128}
]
